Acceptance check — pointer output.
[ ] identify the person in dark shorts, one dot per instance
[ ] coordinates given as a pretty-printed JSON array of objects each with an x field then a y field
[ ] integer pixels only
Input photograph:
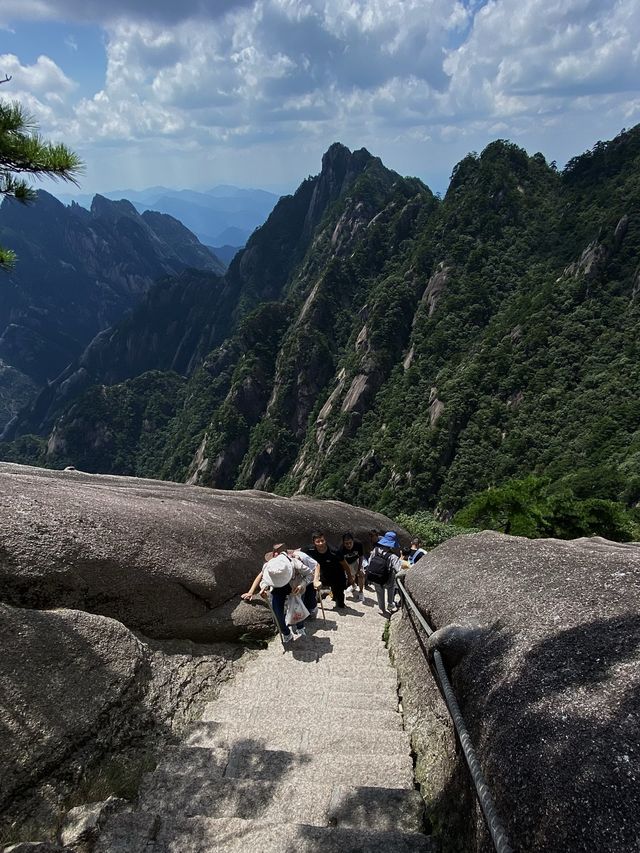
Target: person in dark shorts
[
  {"x": 352, "y": 552},
  {"x": 334, "y": 572}
]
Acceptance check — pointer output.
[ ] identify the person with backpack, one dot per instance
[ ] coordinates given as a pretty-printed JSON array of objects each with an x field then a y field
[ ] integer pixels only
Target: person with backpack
[{"x": 384, "y": 562}]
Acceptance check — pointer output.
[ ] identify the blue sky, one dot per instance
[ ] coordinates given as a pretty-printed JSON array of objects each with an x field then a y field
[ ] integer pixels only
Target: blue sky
[{"x": 252, "y": 92}]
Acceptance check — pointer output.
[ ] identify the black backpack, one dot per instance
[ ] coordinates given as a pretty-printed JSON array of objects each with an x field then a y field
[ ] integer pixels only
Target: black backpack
[{"x": 379, "y": 568}]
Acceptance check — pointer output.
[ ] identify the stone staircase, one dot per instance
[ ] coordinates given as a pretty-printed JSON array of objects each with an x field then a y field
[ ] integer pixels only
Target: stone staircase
[{"x": 303, "y": 751}]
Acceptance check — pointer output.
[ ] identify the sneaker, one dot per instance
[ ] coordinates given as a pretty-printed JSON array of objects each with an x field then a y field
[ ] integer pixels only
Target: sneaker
[
  {"x": 361, "y": 596},
  {"x": 313, "y": 613},
  {"x": 382, "y": 612},
  {"x": 302, "y": 632},
  {"x": 286, "y": 638}
]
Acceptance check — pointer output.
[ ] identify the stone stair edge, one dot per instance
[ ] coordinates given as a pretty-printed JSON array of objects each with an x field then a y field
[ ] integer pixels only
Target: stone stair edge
[{"x": 147, "y": 832}]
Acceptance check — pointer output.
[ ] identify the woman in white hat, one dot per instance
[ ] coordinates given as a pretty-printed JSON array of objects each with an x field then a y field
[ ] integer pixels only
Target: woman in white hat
[{"x": 283, "y": 575}]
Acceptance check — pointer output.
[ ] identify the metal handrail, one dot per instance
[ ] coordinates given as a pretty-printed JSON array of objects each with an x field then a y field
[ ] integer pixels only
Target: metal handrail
[{"x": 487, "y": 805}]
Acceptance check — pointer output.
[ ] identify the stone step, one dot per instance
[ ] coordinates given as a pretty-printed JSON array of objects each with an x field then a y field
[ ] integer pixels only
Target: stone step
[
  {"x": 234, "y": 835},
  {"x": 349, "y": 737},
  {"x": 322, "y": 720},
  {"x": 305, "y": 674},
  {"x": 314, "y": 649},
  {"x": 138, "y": 832},
  {"x": 372, "y": 770},
  {"x": 341, "y": 666},
  {"x": 291, "y": 700},
  {"x": 307, "y": 650},
  {"x": 128, "y": 832},
  {"x": 317, "y": 803},
  {"x": 210, "y": 762},
  {"x": 341, "y": 684}
]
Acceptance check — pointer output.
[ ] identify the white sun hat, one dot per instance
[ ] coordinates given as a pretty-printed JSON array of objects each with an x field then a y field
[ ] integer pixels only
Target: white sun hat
[{"x": 278, "y": 571}]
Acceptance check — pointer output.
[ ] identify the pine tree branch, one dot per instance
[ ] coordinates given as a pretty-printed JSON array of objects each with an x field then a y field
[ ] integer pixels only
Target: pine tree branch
[{"x": 23, "y": 151}]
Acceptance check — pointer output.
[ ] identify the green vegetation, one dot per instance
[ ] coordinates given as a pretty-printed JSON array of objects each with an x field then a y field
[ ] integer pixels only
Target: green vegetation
[
  {"x": 22, "y": 151},
  {"x": 430, "y": 531},
  {"x": 473, "y": 357},
  {"x": 535, "y": 507},
  {"x": 118, "y": 429}
]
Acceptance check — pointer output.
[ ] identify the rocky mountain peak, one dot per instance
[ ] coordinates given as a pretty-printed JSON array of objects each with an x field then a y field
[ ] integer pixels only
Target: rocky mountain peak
[
  {"x": 339, "y": 160},
  {"x": 104, "y": 207},
  {"x": 340, "y": 168}
]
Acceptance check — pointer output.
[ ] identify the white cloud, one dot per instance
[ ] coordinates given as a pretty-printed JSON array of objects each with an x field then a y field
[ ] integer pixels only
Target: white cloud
[
  {"x": 43, "y": 77},
  {"x": 395, "y": 75}
]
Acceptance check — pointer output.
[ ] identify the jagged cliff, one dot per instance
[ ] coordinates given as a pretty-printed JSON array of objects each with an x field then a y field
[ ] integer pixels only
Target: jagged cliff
[
  {"x": 78, "y": 272},
  {"x": 378, "y": 344}
]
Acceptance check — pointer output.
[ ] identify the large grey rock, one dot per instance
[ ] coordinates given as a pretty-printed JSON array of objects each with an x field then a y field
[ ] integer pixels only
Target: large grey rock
[
  {"x": 163, "y": 558},
  {"x": 549, "y": 684},
  {"x": 76, "y": 690}
]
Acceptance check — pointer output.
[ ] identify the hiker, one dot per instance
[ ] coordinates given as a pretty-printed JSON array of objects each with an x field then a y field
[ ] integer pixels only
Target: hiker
[
  {"x": 275, "y": 550},
  {"x": 352, "y": 552},
  {"x": 283, "y": 575},
  {"x": 415, "y": 551},
  {"x": 310, "y": 595},
  {"x": 334, "y": 572},
  {"x": 384, "y": 562},
  {"x": 374, "y": 535}
]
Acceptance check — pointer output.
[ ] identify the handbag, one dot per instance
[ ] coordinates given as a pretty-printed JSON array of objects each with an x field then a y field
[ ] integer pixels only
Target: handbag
[{"x": 295, "y": 611}]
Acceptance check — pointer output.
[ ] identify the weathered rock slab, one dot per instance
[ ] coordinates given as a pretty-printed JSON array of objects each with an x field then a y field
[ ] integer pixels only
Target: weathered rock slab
[
  {"x": 165, "y": 559},
  {"x": 78, "y": 689},
  {"x": 548, "y": 682}
]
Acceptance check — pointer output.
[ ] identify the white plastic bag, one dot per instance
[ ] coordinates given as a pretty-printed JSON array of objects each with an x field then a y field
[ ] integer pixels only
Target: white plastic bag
[{"x": 295, "y": 611}]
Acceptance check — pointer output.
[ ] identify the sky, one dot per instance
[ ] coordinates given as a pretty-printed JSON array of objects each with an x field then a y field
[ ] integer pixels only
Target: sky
[{"x": 194, "y": 93}]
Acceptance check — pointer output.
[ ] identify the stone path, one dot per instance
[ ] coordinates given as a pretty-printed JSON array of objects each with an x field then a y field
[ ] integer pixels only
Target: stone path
[{"x": 303, "y": 751}]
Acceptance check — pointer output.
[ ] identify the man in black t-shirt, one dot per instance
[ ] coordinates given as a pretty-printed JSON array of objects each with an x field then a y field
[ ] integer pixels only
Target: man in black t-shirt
[
  {"x": 334, "y": 572},
  {"x": 352, "y": 552}
]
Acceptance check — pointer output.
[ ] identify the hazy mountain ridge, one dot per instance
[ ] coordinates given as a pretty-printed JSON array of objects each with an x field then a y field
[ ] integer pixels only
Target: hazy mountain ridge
[
  {"x": 78, "y": 272},
  {"x": 398, "y": 351},
  {"x": 222, "y": 215},
  {"x": 207, "y": 307}
]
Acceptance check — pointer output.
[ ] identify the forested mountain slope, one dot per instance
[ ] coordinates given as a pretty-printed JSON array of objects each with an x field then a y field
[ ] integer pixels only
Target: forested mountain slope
[
  {"x": 78, "y": 272},
  {"x": 377, "y": 344}
]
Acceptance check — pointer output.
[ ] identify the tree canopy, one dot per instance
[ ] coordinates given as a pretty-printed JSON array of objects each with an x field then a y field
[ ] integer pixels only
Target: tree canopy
[{"x": 24, "y": 152}]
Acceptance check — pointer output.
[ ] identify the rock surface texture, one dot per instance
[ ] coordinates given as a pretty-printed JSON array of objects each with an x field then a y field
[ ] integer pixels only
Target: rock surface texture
[
  {"x": 304, "y": 751},
  {"x": 549, "y": 685},
  {"x": 82, "y": 703},
  {"x": 165, "y": 559}
]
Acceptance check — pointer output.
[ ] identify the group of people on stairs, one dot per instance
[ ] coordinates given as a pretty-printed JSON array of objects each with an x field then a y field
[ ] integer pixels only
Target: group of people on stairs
[{"x": 292, "y": 579}]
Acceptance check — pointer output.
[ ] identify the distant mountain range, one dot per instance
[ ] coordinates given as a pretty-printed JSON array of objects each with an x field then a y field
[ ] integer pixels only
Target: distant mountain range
[
  {"x": 78, "y": 272},
  {"x": 222, "y": 216}
]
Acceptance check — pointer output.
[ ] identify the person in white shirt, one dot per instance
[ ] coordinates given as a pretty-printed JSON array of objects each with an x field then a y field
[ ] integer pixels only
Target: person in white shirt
[{"x": 282, "y": 574}]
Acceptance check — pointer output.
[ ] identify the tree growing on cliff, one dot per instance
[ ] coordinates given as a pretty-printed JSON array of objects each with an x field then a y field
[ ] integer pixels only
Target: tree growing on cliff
[{"x": 24, "y": 152}]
